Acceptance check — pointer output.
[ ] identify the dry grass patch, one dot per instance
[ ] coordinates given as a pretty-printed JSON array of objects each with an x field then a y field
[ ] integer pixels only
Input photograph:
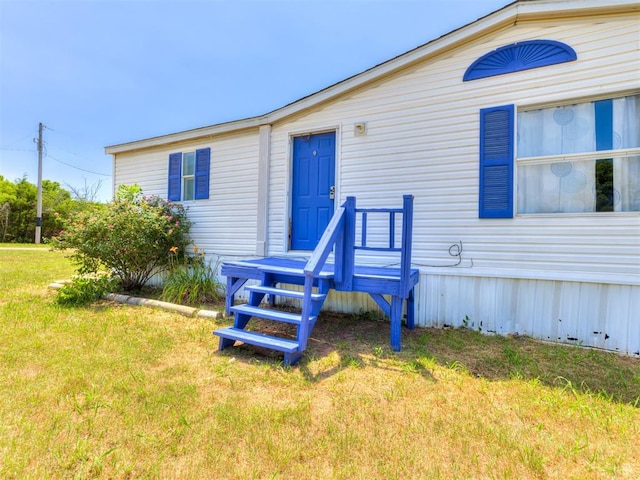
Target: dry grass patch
[{"x": 115, "y": 391}]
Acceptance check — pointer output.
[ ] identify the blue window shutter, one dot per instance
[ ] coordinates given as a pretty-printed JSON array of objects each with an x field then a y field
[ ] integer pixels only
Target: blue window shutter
[
  {"x": 496, "y": 162},
  {"x": 203, "y": 162},
  {"x": 175, "y": 177}
]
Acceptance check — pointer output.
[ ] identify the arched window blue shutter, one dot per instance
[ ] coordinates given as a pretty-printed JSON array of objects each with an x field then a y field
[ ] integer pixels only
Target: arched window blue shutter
[
  {"x": 175, "y": 177},
  {"x": 520, "y": 56},
  {"x": 203, "y": 162},
  {"x": 496, "y": 162}
]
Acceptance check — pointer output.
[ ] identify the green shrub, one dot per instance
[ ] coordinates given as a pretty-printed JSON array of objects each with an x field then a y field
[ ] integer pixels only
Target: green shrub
[
  {"x": 131, "y": 238},
  {"x": 84, "y": 290},
  {"x": 192, "y": 280}
]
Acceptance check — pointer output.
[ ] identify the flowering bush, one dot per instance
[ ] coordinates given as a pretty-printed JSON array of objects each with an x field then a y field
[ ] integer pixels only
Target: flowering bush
[{"x": 130, "y": 237}]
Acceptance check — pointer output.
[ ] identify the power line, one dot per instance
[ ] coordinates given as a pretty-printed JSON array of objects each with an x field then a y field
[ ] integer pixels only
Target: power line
[
  {"x": 11, "y": 144},
  {"x": 77, "y": 168},
  {"x": 7, "y": 148}
]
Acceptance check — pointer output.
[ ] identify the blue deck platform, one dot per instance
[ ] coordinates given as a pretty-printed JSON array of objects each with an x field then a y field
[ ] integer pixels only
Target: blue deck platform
[{"x": 319, "y": 277}]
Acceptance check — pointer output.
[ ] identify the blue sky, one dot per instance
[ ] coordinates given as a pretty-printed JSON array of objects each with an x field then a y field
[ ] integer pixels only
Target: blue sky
[{"x": 99, "y": 73}]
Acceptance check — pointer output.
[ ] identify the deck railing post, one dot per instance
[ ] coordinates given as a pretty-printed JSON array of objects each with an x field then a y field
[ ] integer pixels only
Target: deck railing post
[
  {"x": 338, "y": 258},
  {"x": 303, "y": 329},
  {"x": 407, "y": 232},
  {"x": 349, "y": 243}
]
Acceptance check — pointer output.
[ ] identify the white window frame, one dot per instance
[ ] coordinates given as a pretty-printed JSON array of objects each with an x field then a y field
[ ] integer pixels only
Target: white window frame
[
  {"x": 572, "y": 157},
  {"x": 188, "y": 177}
]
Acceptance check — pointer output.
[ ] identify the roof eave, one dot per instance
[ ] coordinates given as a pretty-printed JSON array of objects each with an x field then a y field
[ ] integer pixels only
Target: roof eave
[
  {"x": 510, "y": 14},
  {"x": 187, "y": 135},
  {"x": 375, "y": 73}
]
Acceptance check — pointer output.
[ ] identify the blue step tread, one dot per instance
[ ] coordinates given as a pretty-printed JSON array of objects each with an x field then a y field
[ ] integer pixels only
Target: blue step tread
[
  {"x": 270, "y": 314},
  {"x": 289, "y": 267},
  {"x": 258, "y": 339},
  {"x": 316, "y": 297}
]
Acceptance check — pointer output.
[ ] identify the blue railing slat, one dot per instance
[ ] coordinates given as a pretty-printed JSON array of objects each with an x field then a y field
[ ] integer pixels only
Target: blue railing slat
[
  {"x": 378, "y": 210},
  {"x": 364, "y": 228},
  {"x": 392, "y": 229},
  {"x": 379, "y": 249}
]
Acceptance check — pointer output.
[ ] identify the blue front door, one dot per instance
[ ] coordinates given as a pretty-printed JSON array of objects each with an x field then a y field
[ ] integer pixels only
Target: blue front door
[{"x": 314, "y": 165}]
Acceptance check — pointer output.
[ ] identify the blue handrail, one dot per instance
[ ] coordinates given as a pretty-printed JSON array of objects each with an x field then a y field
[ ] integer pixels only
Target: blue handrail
[
  {"x": 340, "y": 233},
  {"x": 333, "y": 235}
]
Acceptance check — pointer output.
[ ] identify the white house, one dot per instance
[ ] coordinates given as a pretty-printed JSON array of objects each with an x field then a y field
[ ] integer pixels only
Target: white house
[{"x": 519, "y": 137}]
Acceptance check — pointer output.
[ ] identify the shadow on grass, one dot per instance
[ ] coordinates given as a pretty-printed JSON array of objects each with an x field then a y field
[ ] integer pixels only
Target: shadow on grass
[
  {"x": 358, "y": 341},
  {"x": 579, "y": 369}
]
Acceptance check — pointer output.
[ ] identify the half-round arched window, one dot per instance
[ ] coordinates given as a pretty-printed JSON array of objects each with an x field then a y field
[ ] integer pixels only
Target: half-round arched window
[{"x": 520, "y": 56}]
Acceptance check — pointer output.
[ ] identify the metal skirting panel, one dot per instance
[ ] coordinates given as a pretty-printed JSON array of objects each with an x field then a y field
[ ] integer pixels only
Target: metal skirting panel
[{"x": 589, "y": 314}]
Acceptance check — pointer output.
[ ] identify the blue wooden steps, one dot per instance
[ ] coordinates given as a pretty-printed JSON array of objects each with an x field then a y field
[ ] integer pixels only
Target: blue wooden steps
[
  {"x": 259, "y": 339},
  {"x": 290, "y": 348},
  {"x": 316, "y": 297},
  {"x": 271, "y": 276},
  {"x": 268, "y": 314},
  {"x": 316, "y": 276}
]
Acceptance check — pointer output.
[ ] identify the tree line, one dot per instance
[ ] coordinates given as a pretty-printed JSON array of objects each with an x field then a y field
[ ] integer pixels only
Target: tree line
[{"x": 18, "y": 202}]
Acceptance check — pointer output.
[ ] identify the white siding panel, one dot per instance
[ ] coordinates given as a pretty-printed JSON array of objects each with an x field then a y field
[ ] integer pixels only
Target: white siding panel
[
  {"x": 147, "y": 169},
  {"x": 226, "y": 224}
]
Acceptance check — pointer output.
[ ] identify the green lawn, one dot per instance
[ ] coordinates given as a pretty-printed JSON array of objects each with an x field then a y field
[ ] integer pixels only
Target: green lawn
[{"x": 115, "y": 391}]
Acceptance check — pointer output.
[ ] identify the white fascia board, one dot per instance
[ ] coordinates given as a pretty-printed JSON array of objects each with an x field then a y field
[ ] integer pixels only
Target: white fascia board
[
  {"x": 204, "y": 132},
  {"x": 595, "y": 7}
]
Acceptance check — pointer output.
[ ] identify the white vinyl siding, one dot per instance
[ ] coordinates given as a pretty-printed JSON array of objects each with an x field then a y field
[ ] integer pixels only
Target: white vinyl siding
[
  {"x": 147, "y": 169},
  {"x": 422, "y": 138},
  {"x": 224, "y": 224}
]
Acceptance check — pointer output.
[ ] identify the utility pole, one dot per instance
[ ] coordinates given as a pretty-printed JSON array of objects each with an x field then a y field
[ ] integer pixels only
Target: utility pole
[{"x": 39, "y": 206}]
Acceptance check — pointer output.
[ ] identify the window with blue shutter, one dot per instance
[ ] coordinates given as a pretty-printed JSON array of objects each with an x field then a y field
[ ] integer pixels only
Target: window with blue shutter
[
  {"x": 189, "y": 175},
  {"x": 175, "y": 177},
  {"x": 496, "y": 162}
]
